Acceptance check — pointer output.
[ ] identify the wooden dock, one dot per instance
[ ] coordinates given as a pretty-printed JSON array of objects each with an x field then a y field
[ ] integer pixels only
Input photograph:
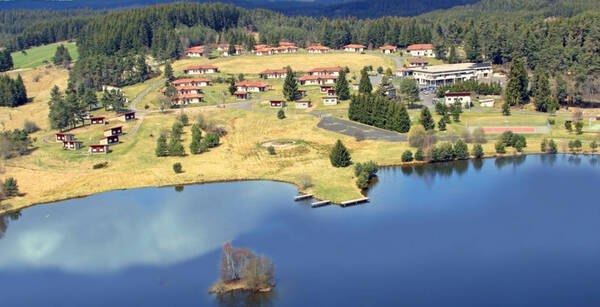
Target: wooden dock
[
  {"x": 320, "y": 203},
  {"x": 354, "y": 202},
  {"x": 303, "y": 197}
]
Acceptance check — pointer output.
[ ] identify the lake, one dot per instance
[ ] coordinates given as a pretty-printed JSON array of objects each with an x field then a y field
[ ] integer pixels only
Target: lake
[{"x": 519, "y": 231}]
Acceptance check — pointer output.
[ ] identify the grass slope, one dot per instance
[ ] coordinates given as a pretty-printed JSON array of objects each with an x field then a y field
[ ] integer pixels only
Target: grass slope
[{"x": 36, "y": 56}]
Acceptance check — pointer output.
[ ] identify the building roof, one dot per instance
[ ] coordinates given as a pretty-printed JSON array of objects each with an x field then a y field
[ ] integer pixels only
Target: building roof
[
  {"x": 355, "y": 46},
  {"x": 327, "y": 97},
  {"x": 457, "y": 94},
  {"x": 388, "y": 47},
  {"x": 189, "y": 80},
  {"x": 275, "y": 100},
  {"x": 201, "y": 67},
  {"x": 327, "y": 86},
  {"x": 71, "y": 141},
  {"x": 261, "y": 46},
  {"x": 284, "y": 43},
  {"x": 274, "y": 71},
  {"x": 326, "y": 69},
  {"x": 183, "y": 96},
  {"x": 240, "y": 93},
  {"x": 97, "y": 117},
  {"x": 444, "y": 68},
  {"x": 199, "y": 49},
  {"x": 418, "y": 60},
  {"x": 252, "y": 84},
  {"x": 60, "y": 133},
  {"x": 98, "y": 145},
  {"x": 318, "y": 47},
  {"x": 266, "y": 49},
  {"x": 401, "y": 68},
  {"x": 420, "y": 47},
  {"x": 280, "y": 48},
  {"x": 116, "y": 127}
]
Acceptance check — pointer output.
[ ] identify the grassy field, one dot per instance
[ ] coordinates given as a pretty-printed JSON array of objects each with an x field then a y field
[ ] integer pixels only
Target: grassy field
[{"x": 36, "y": 56}]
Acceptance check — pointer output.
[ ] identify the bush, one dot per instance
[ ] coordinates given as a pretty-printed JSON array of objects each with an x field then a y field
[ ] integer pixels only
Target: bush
[
  {"x": 10, "y": 187},
  {"x": 339, "y": 155},
  {"x": 444, "y": 152},
  {"x": 363, "y": 181},
  {"x": 593, "y": 146},
  {"x": 177, "y": 167},
  {"x": 211, "y": 140},
  {"x": 419, "y": 155},
  {"x": 520, "y": 144},
  {"x": 551, "y": 121},
  {"x": 271, "y": 150},
  {"x": 579, "y": 127},
  {"x": 364, "y": 172},
  {"x": 183, "y": 118},
  {"x": 30, "y": 127},
  {"x": 544, "y": 145},
  {"x": 280, "y": 114},
  {"x": 407, "y": 156},
  {"x": 477, "y": 151},
  {"x": 500, "y": 148},
  {"x": 177, "y": 130},
  {"x": 552, "y": 148},
  {"x": 568, "y": 126},
  {"x": 100, "y": 165},
  {"x": 461, "y": 151}
]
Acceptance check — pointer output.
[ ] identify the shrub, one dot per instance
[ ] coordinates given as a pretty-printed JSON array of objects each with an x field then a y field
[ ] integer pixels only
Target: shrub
[
  {"x": 10, "y": 187},
  {"x": 551, "y": 121},
  {"x": 500, "y": 148},
  {"x": 477, "y": 151},
  {"x": 183, "y": 118},
  {"x": 271, "y": 150},
  {"x": 364, "y": 172},
  {"x": 520, "y": 144},
  {"x": 568, "y": 126},
  {"x": 177, "y": 167},
  {"x": 407, "y": 156},
  {"x": 445, "y": 152},
  {"x": 100, "y": 165},
  {"x": 544, "y": 145},
  {"x": 30, "y": 127},
  {"x": 339, "y": 155},
  {"x": 419, "y": 155},
  {"x": 363, "y": 181},
  {"x": 162, "y": 150},
  {"x": 280, "y": 114},
  {"x": 593, "y": 146},
  {"x": 177, "y": 130},
  {"x": 507, "y": 138},
  {"x": 552, "y": 148},
  {"x": 579, "y": 127},
  {"x": 461, "y": 151},
  {"x": 211, "y": 140}
]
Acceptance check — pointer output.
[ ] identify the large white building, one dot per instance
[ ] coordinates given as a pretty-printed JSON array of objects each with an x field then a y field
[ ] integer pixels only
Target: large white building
[{"x": 450, "y": 73}]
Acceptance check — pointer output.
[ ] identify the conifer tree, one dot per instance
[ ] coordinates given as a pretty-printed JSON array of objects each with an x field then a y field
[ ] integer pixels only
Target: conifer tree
[
  {"x": 10, "y": 187},
  {"x": 426, "y": 119},
  {"x": 518, "y": 83},
  {"x": 506, "y": 109},
  {"x": 232, "y": 88},
  {"x": 339, "y": 155},
  {"x": 168, "y": 73},
  {"x": 364, "y": 86},
  {"x": 452, "y": 59},
  {"x": 162, "y": 150},
  {"x": 231, "y": 49},
  {"x": 473, "y": 47},
  {"x": 403, "y": 119},
  {"x": 442, "y": 124},
  {"x": 477, "y": 151},
  {"x": 543, "y": 101},
  {"x": 290, "y": 86},
  {"x": 6, "y": 60},
  {"x": 342, "y": 89},
  {"x": 461, "y": 151}
]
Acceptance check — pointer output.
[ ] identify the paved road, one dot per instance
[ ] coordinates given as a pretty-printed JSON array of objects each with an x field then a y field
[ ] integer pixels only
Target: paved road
[{"x": 350, "y": 128}]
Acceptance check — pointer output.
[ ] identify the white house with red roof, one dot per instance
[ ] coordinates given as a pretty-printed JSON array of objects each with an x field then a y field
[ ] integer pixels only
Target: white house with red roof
[
  {"x": 274, "y": 73},
  {"x": 200, "y": 69},
  {"x": 325, "y": 71},
  {"x": 317, "y": 79},
  {"x": 388, "y": 49},
  {"x": 195, "y": 51},
  {"x": 192, "y": 82},
  {"x": 355, "y": 48},
  {"x": 252, "y": 86},
  {"x": 318, "y": 49},
  {"x": 425, "y": 50}
]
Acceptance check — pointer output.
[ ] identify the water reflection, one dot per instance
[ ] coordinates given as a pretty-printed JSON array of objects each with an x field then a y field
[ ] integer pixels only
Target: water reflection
[
  {"x": 514, "y": 161},
  {"x": 594, "y": 161},
  {"x": 477, "y": 163},
  {"x": 548, "y": 160},
  {"x": 5, "y": 220}
]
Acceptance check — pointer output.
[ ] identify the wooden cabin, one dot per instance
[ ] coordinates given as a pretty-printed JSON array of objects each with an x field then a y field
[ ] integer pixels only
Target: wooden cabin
[
  {"x": 277, "y": 103},
  {"x": 200, "y": 69},
  {"x": 241, "y": 95},
  {"x": 109, "y": 140},
  {"x": 72, "y": 145},
  {"x": 127, "y": 116},
  {"x": 60, "y": 137},
  {"x": 97, "y": 120},
  {"x": 303, "y": 104},
  {"x": 97, "y": 149},
  {"x": 330, "y": 100},
  {"x": 118, "y": 130}
]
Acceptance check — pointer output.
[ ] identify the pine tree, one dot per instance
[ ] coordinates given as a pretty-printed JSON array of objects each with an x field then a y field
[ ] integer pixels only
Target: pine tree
[
  {"x": 342, "y": 89},
  {"x": 410, "y": 90},
  {"x": 10, "y": 187},
  {"x": 452, "y": 59},
  {"x": 89, "y": 99},
  {"x": 364, "y": 86},
  {"x": 543, "y": 101},
  {"x": 403, "y": 119},
  {"x": 6, "y": 60},
  {"x": 461, "y": 152},
  {"x": 280, "y": 114},
  {"x": 231, "y": 49},
  {"x": 232, "y": 88},
  {"x": 506, "y": 109},
  {"x": 290, "y": 86},
  {"x": 339, "y": 155},
  {"x": 426, "y": 119},
  {"x": 162, "y": 150},
  {"x": 477, "y": 151},
  {"x": 442, "y": 124},
  {"x": 518, "y": 83},
  {"x": 473, "y": 47},
  {"x": 168, "y": 74}
]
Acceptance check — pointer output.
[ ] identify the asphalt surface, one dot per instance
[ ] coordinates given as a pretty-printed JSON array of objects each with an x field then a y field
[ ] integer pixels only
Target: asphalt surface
[{"x": 350, "y": 128}]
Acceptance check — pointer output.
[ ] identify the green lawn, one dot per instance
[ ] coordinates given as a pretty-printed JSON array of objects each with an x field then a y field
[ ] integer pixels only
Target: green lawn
[{"x": 36, "y": 56}]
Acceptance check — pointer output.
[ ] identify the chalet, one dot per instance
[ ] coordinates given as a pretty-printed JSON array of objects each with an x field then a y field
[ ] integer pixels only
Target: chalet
[
  {"x": 403, "y": 72},
  {"x": 127, "y": 116},
  {"x": 72, "y": 145},
  {"x": 317, "y": 80},
  {"x": 252, "y": 86},
  {"x": 201, "y": 69},
  {"x": 388, "y": 49},
  {"x": 325, "y": 71},
  {"x": 99, "y": 149},
  {"x": 118, "y": 130},
  {"x": 425, "y": 50},
  {"x": 277, "y": 103},
  {"x": 355, "y": 48},
  {"x": 241, "y": 95},
  {"x": 195, "y": 51},
  {"x": 285, "y": 49},
  {"x": 108, "y": 140},
  {"x": 192, "y": 82},
  {"x": 60, "y": 137},
  {"x": 417, "y": 62},
  {"x": 274, "y": 73},
  {"x": 263, "y": 51},
  {"x": 97, "y": 120},
  {"x": 318, "y": 49},
  {"x": 303, "y": 104},
  {"x": 326, "y": 88},
  {"x": 330, "y": 100},
  {"x": 464, "y": 98},
  {"x": 486, "y": 103},
  {"x": 450, "y": 73},
  {"x": 183, "y": 99}
]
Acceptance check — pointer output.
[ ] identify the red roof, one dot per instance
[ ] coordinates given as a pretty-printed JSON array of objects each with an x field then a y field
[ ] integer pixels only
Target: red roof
[
  {"x": 261, "y": 46},
  {"x": 202, "y": 67},
  {"x": 199, "y": 49},
  {"x": 252, "y": 84},
  {"x": 240, "y": 93},
  {"x": 266, "y": 49},
  {"x": 420, "y": 47},
  {"x": 387, "y": 47},
  {"x": 401, "y": 69},
  {"x": 355, "y": 46},
  {"x": 318, "y": 47},
  {"x": 284, "y": 43},
  {"x": 454, "y": 94},
  {"x": 180, "y": 96},
  {"x": 188, "y": 87},
  {"x": 326, "y": 69},
  {"x": 190, "y": 80}
]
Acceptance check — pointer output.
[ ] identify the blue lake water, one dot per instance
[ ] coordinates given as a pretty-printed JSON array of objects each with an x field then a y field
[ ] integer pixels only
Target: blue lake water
[{"x": 507, "y": 232}]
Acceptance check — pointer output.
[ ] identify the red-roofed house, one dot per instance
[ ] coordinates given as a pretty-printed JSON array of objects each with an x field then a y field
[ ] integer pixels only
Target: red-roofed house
[
  {"x": 195, "y": 51},
  {"x": 317, "y": 79},
  {"x": 317, "y": 49},
  {"x": 183, "y": 99},
  {"x": 418, "y": 62},
  {"x": 402, "y": 72},
  {"x": 425, "y": 50},
  {"x": 325, "y": 71},
  {"x": 72, "y": 145},
  {"x": 192, "y": 82},
  {"x": 263, "y": 51},
  {"x": 60, "y": 137},
  {"x": 243, "y": 95},
  {"x": 285, "y": 49},
  {"x": 277, "y": 103},
  {"x": 252, "y": 86},
  {"x": 286, "y": 44},
  {"x": 355, "y": 48},
  {"x": 99, "y": 149},
  {"x": 274, "y": 73},
  {"x": 388, "y": 49},
  {"x": 201, "y": 69},
  {"x": 224, "y": 49}
]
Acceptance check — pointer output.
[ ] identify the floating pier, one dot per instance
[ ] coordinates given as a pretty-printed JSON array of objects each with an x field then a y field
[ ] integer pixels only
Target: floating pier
[
  {"x": 354, "y": 202},
  {"x": 320, "y": 203},
  {"x": 303, "y": 197}
]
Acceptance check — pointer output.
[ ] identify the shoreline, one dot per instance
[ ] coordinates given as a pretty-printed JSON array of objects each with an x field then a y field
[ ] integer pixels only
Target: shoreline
[{"x": 315, "y": 196}]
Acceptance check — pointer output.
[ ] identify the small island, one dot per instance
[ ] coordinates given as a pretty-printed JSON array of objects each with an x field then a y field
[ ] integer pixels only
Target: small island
[{"x": 242, "y": 270}]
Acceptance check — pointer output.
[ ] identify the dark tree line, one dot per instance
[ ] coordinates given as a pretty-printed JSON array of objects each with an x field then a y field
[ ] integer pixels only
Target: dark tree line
[
  {"x": 95, "y": 71},
  {"x": 379, "y": 111},
  {"x": 6, "y": 61},
  {"x": 12, "y": 91}
]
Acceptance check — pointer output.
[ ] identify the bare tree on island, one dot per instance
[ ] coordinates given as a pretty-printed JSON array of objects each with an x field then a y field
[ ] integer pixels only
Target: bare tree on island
[{"x": 242, "y": 269}]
